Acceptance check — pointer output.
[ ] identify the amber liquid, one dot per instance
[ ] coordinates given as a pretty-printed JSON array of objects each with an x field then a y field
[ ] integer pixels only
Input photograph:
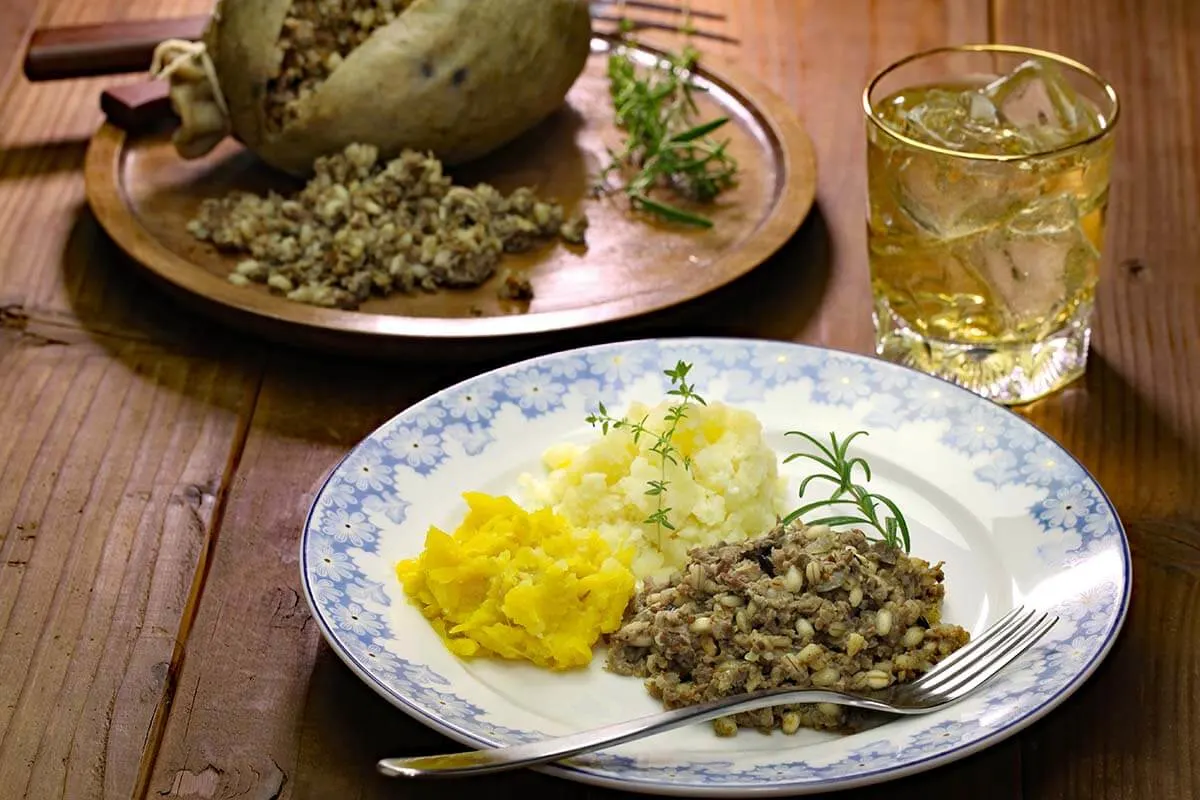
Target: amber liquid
[{"x": 982, "y": 252}]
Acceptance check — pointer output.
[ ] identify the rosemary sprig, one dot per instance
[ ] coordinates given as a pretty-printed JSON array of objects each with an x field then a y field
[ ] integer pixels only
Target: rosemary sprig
[
  {"x": 664, "y": 147},
  {"x": 663, "y": 445},
  {"x": 893, "y": 529}
]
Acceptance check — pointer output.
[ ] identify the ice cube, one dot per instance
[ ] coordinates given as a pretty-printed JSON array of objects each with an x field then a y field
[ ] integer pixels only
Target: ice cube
[
  {"x": 950, "y": 199},
  {"x": 928, "y": 198},
  {"x": 1032, "y": 109},
  {"x": 964, "y": 121},
  {"x": 1032, "y": 262},
  {"x": 1036, "y": 102}
]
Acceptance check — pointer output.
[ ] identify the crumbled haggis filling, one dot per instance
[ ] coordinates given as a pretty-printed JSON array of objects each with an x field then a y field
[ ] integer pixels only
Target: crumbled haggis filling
[
  {"x": 316, "y": 36},
  {"x": 361, "y": 227},
  {"x": 801, "y": 606},
  {"x": 515, "y": 287}
]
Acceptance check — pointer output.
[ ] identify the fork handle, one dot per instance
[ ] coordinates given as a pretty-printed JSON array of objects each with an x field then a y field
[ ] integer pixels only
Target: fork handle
[
  {"x": 110, "y": 48},
  {"x": 499, "y": 759}
]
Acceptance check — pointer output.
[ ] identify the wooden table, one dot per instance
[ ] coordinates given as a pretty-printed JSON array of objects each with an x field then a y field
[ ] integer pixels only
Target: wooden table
[{"x": 154, "y": 468}]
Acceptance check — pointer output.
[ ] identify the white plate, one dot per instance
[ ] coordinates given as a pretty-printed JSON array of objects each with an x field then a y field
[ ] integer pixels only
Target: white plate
[{"x": 1016, "y": 519}]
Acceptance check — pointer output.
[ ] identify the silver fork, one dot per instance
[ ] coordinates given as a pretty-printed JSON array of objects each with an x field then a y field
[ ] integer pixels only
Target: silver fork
[
  {"x": 952, "y": 679},
  {"x": 617, "y": 14}
]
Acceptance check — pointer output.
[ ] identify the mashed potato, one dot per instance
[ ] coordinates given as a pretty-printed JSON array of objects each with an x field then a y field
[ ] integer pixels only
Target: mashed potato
[{"x": 732, "y": 491}]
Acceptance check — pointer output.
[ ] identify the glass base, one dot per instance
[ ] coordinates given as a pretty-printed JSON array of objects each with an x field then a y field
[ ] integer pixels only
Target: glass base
[{"x": 1010, "y": 374}]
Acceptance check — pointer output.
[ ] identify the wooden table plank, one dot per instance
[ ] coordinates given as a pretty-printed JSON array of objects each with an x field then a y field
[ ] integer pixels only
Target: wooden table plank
[
  {"x": 112, "y": 472},
  {"x": 44, "y": 130},
  {"x": 114, "y": 469},
  {"x": 264, "y": 708},
  {"x": 110, "y": 478},
  {"x": 17, "y": 19},
  {"x": 1134, "y": 421},
  {"x": 108, "y": 485}
]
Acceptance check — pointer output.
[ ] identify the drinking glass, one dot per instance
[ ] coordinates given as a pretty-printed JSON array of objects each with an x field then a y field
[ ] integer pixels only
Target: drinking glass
[{"x": 988, "y": 173}]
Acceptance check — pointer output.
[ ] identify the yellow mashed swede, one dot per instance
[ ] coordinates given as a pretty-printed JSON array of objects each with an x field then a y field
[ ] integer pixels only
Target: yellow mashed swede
[
  {"x": 519, "y": 585},
  {"x": 733, "y": 490}
]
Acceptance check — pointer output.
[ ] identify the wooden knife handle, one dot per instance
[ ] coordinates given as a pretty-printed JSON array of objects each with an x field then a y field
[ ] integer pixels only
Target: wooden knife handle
[
  {"x": 109, "y": 48},
  {"x": 137, "y": 107}
]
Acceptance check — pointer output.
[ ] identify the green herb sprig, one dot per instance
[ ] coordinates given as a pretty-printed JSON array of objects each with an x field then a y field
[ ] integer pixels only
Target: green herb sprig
[
  {"x": 663, "y": 445},
  {"x": 893, "y": 529},
  {"x": 664, "y": 147}
]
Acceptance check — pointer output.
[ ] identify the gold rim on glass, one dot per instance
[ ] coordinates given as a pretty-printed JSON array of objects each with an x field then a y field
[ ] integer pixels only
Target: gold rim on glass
[{"x": 1011, "y": 49}]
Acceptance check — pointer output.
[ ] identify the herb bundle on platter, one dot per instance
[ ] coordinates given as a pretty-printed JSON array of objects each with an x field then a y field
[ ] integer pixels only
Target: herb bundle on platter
[{"x": 665, "y": 149}]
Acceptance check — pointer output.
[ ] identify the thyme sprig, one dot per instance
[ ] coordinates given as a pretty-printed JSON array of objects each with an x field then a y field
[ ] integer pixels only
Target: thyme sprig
[
  {"x": 835, "y": 458},
  {"x": 664, "y": 147},
  {"x": 663, "y": 446}
]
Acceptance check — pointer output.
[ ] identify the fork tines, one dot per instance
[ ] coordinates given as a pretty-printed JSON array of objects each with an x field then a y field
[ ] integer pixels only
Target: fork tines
[
  {"x": 669, "y": 8},
  {"x": 645, "y": 24},
  {"x": 979, "y": 660},
  {"x": 603, "y": 11}
]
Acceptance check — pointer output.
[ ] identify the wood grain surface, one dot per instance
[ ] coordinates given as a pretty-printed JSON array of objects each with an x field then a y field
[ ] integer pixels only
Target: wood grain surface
[
  {"x": 155, "y": 467},
  {"x": 18, "y": 19},
  {"x": 1134, "y": 421}
]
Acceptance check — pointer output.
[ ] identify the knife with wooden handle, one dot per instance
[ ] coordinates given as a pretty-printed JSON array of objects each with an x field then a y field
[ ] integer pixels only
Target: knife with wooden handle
[{"x": 109, "y": 48}]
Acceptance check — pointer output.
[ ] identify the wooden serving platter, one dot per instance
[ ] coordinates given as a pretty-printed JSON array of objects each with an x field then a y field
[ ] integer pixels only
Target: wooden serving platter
[{"x": 143, "y": 193}]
